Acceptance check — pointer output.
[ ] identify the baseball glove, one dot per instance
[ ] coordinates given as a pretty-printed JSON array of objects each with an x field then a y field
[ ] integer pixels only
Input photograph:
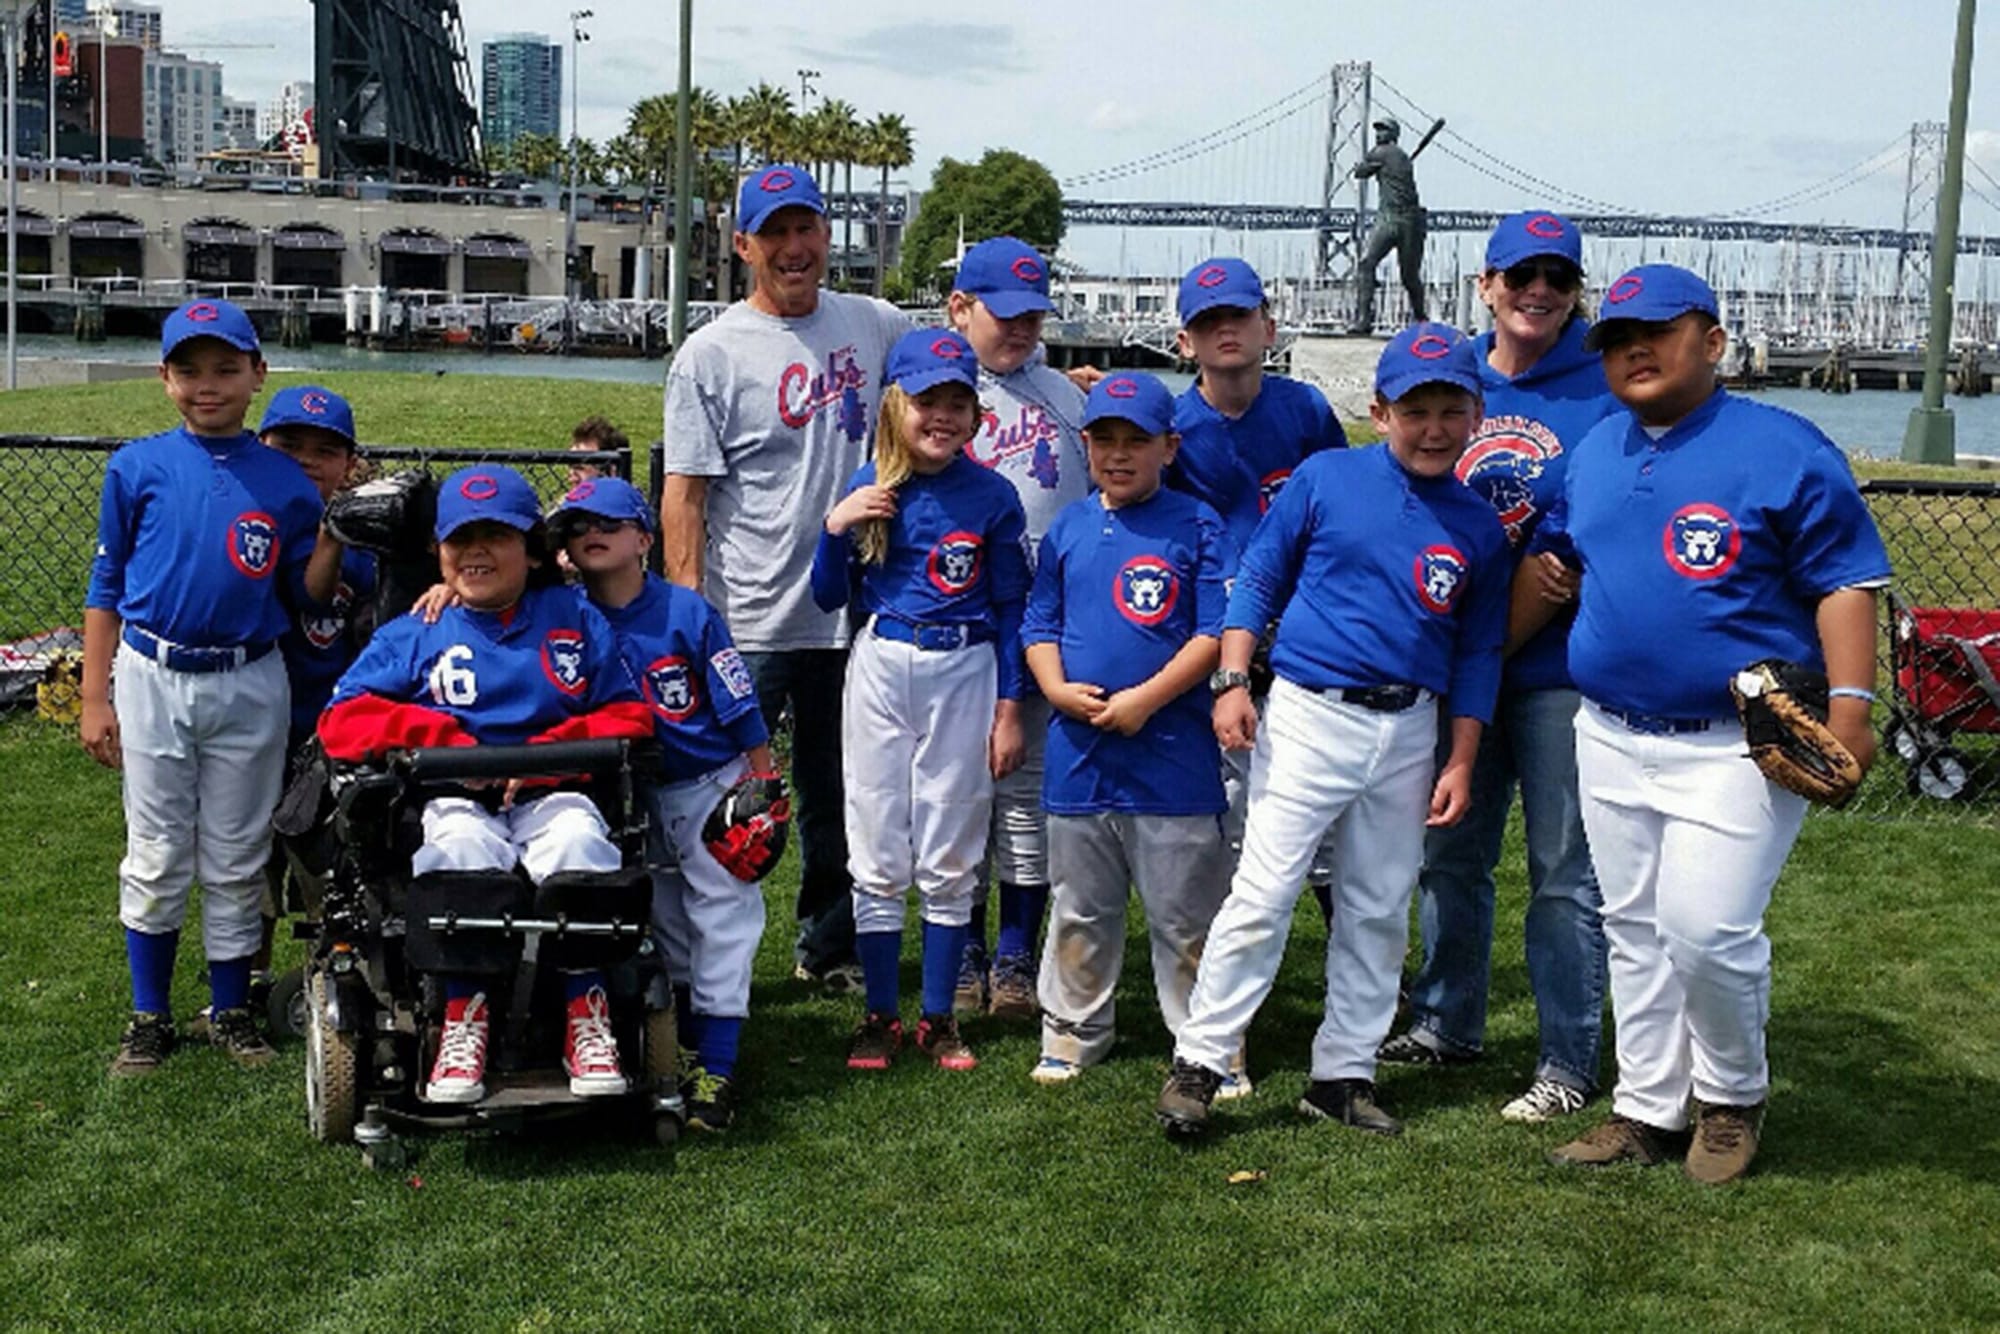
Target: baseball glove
[
  {"x": 1783, "y": 708},
  {"x": 393, "y": 515},
  {"x": 746, "y": 830}
]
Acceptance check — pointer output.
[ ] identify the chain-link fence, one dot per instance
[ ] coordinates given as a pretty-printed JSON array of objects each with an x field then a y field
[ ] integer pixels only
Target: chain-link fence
[{"x": 49, "y": 489}]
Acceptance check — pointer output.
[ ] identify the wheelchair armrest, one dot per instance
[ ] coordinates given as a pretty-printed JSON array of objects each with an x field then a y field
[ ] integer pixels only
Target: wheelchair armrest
[{"x": 551, "y": 759}]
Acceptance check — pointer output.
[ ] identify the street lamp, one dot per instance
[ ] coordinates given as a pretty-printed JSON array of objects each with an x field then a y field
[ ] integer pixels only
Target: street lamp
[
  {"x": 576, "y": 36},
  {"x": 806, "y": 90}
]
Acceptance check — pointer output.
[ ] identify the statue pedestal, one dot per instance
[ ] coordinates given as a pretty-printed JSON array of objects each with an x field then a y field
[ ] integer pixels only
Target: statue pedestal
[{"x": 1342, "y": 368}]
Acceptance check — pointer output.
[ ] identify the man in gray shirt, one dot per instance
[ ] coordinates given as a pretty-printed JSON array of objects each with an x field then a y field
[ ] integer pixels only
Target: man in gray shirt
[
  {"x": 769, "y": 410},
  {"x": 1399, "y": 226}
]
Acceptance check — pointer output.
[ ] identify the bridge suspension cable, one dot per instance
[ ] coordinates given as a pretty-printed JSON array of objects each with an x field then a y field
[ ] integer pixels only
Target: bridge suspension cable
[{"x": 1283, "y": 109}]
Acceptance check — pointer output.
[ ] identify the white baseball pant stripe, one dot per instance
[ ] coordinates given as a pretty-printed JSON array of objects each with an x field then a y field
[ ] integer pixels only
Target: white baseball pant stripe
[
  {"x": 913, "y": 730},
  {"x": 1688, "y": 839},
  {"x": 1321, "y": 765},
  {"x": 1180, "y": 866},
  {"x": 560, "y": 832},
  {"x": 204, "y": 756},
  {"x": 1018, "y": 850},
  {"x": 706, "y": 922}
]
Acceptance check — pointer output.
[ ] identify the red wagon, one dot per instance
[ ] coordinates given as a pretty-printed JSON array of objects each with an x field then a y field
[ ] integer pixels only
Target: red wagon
[{"x": 1947, "y": 682}]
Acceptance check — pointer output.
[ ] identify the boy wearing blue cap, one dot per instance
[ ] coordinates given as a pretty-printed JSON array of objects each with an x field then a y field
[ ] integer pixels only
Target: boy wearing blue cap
[
  {"x": 1029, "y": 431},
  {"x": 202, "y": 542},
  {"x": 1121, "y": 633},
  {"x": 1388, "y": 579},
  {"x": 515, "y": 659},
  {"x": 706, "y": 921},
  {"x": 1734, "y": 532}
]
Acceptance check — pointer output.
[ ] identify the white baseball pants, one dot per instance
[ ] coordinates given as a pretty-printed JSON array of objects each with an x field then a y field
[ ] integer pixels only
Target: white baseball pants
[
  {"x": 706, "y": 922},
  {"x": 560, "y": 832},
  {"x": 1319, "y": 765},
  {"x": 1688, "y": 839},
  {"x": 204, "y": 759},
  {"x": 919, "y": 795},
  {"x": 1180, "y": 866}
]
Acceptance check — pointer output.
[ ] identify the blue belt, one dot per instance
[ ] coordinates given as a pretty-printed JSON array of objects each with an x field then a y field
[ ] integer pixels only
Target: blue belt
[
  {"x": 181, "y": 658},
  {"x": 932, "y": 638},
  {"x": 1654, "y": 724}
]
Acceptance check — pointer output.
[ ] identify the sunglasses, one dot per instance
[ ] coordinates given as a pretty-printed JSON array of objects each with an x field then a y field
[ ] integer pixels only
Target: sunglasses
[{"x": 1559, "y": 274}]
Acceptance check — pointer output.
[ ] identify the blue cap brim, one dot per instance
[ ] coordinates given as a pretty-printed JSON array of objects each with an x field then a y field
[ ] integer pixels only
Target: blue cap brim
[
  {"x": 272, "y": 422},
  {"x": 1217, "y": 300},
  {"x": 1397, "y": 386},
  {"x": 1010, "y": 305},
  {"x": 1593, "y": 337},
  {"x": 1150, "y": 428},
  {"x": 250, "y": 345},
  {"x": 755, "y": 222},
  {"x": 514, "y": 521},
  {"x": 917, "y": 381}
]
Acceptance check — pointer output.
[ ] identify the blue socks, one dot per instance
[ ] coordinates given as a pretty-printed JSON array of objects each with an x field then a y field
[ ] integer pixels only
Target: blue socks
[
  {"x": 229, "y": 983},
  {"x": 151, "y": 960},
  {"x": 1021, "y": 908},
  {"x": 942, "y": 947},
  {"x": 579, "y": 984},
  {"x": 458, "y": 988},
  {"x": 716, "y": 1038},
  {"x": 880, "y": 953}
]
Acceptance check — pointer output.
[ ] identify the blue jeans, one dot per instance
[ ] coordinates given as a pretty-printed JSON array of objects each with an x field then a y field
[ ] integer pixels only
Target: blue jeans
[
  {"x": 1532, "y": 744},
  {"x": 811, "y": 681}
]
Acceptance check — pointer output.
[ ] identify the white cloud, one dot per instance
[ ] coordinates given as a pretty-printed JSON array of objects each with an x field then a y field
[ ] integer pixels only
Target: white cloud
[{"x": 1114, "y": 115}]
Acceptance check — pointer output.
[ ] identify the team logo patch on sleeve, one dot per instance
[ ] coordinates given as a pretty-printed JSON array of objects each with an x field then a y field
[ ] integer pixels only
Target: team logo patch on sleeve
[
  {"x": 562, "y": 661},
  {"x": 671, "y": 689},
  {"x": 1702, "y": 541},
  {"x": 1268, "y": 487},
  {"x": 955, "y": 562},
  {"x": 734, "y": 673},
  {"x": 1146, "y": 590},
  {"x": 253, "y": 544},
  {"x": 322, "y": 629},
  {"x": 1507, "y": 456},
  {"x": 1440, "y": 575}
]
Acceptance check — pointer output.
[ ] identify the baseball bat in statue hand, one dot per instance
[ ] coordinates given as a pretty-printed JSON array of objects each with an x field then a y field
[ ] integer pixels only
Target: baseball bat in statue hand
[{"x": 1429, "y": 135}]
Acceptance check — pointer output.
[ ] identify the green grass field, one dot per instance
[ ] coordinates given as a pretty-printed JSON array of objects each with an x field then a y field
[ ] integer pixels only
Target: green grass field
[{"x": 925, "y": 1200}]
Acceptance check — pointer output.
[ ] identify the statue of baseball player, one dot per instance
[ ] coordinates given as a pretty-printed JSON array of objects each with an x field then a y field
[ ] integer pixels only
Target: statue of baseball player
[{"x": 1399, "y": 225}]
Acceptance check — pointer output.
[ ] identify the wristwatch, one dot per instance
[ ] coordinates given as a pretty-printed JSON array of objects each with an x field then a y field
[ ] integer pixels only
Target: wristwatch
[{"x": 1223, "y": 681}]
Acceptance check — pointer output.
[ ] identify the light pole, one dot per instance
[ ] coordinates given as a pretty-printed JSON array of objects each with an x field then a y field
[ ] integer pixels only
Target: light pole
[
  {"x": 572, "y": 286},
  {"x": 677, "y": 295},
  {"x": 1930, "y": 436},
  {"x": 107, "y": 28},
  {"x": 806, "y": 76},
  {"x": 11, "y": 21}
]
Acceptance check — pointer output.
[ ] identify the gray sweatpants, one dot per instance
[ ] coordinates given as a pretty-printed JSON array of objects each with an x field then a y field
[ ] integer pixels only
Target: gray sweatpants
[{"x": 1180, "y": 865}]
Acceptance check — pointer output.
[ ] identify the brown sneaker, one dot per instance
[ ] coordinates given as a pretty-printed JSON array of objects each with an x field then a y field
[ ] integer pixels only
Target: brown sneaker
[
  {"x": 146, "y": 1042},
  {"x": 235, "y": 1034},
  {"x": 938, "y": 1038},
  {"x": 1617, "y": 1139},
  {"x": 1725, "y": 1142},
  {"x": 1012, "y": 987}
]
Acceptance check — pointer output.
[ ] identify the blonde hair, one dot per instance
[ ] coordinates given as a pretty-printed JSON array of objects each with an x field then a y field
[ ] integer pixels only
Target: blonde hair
[{"x": 892, "y": 469}]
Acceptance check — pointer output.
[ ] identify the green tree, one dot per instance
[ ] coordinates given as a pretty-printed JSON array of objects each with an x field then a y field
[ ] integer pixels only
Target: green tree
[
  {"x": 1003, "y": 194},
  {"x": 885, "y": 144},
  {"x": 539, "y": 157},
  {"x": 765, "y": 123},
  {"x": 837, "y": 132}
]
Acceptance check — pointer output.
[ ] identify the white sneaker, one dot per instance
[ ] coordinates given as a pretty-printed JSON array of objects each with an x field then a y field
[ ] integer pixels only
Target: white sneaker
[
  {"x": 1236, "y": 1084},
  {"x": 1054, "y": 1070},
  {"x": 1545, "y": 1100},
  {"x": 590, "y": 1052},
  {"x": 459, "y": 1073}
]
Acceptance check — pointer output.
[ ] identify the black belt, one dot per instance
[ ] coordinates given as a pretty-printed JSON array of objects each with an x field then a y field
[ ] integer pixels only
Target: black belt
[
  {"x": 1382, "y": 699},
  {"x": 932, "y": 638},
  {"x": 1654, "y": 724},
  {"x": 183, "y": 658}
]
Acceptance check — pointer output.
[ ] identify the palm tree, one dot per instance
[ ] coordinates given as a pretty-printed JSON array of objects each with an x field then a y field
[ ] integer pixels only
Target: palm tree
[
  {"x": 886, "y": 143},
  {"x": 839, "y": 128},
  {"x": 765, "y": 121},
  {"x": 536, "y": 156}
]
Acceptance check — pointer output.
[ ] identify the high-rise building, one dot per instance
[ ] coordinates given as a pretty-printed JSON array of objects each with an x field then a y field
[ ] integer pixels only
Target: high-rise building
[
  {"x": 520, "y": 88},
  {"x": 237, "y": 124},
  {"x": 281, "y": 112},
  {"x": 183, "y": 108}
]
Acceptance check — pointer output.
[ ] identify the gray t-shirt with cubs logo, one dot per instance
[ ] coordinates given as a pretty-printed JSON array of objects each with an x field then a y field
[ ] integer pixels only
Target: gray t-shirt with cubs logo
[{"x": 777, "y": 413}]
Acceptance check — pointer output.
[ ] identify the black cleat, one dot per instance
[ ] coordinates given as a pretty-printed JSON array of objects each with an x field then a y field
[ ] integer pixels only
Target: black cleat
[
  {"x": 1184, "y": 1102},
  {"x": 1350, "y": 1102}
]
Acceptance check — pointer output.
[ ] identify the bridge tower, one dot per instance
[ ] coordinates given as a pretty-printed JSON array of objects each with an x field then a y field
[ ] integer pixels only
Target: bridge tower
[
  {"x": 394, "y": 91},
  {"x": 1923, "y": 170},
  {"x": 1347, "y": 138}
]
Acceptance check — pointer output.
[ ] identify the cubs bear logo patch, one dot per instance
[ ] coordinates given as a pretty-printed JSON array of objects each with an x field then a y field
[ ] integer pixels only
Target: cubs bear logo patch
[
  {"x": 671, "y": 689},
  {"x": 1440, "y": 573},
  {"x": 253, "y": 544},
  {"x": 1146, "y": 590},
  {"x": 562, "y": 661},
  {"x": 324, "y": 628},
  {"x": 1701, "y": 541},
  {"x": 955, "y": 562},
  {"x": 1268, "y": 487}
]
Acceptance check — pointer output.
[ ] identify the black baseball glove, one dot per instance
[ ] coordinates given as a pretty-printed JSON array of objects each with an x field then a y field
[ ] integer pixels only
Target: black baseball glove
[
  {"x": 746, "y": 830},
  {"x": 393, "y": 515}
]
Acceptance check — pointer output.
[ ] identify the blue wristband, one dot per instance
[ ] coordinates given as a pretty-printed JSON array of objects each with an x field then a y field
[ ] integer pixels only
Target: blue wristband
[{"x": 1851, "y": 692}]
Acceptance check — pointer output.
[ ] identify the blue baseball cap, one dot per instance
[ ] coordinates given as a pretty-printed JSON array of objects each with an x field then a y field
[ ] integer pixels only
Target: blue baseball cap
[
  {"x": 209, "y": 319},
  {"x": 925, "y": 357},
  {"x": 1007, "y": 274},
  {"x": 1427, "y": 354},
  {"x": 780, "y": 185},
  {"x": 607, "y": 498},
  {"x": 1651, "y": 294},
  {"x": 486, "y": 491},
  {"x": 1528, "y": 234},
  {"x": 1132, "y": 396},
  {"x": 310, "y": 405},
  {"x": 1217, "y": 282}
]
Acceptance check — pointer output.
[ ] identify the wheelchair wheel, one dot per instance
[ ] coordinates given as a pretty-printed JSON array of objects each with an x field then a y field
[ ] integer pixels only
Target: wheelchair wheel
[
  {"x": 286, "y": 1007},
  {"x": 332, "y": 1069},
  {"x": 663, "y": 1044}
]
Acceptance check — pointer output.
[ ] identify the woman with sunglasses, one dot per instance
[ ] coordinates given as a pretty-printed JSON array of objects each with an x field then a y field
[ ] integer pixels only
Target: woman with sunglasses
[{"x": 1543, "y": 391}]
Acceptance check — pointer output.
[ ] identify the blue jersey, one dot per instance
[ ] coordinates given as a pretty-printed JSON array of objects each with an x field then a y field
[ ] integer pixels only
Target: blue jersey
[
  {"x": 1380, "y": 578},
  {"x": 957, "y": 556},
  {"x": 319, "y": 644},
  {"x": 690, "y": 675},
  {"x": 547, "y": 669},
  {"x": 1517, "y": 459},
  {"x": 1239, "y": 464},
  {"x": 203, "y": 540},
  {"x": 1120, "y": 592},
  {"x": 1704, "y": 551}
]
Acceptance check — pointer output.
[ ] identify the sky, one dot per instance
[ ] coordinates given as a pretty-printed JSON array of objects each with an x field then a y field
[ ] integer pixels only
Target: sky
[{"x": 1699, "y": 107}]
